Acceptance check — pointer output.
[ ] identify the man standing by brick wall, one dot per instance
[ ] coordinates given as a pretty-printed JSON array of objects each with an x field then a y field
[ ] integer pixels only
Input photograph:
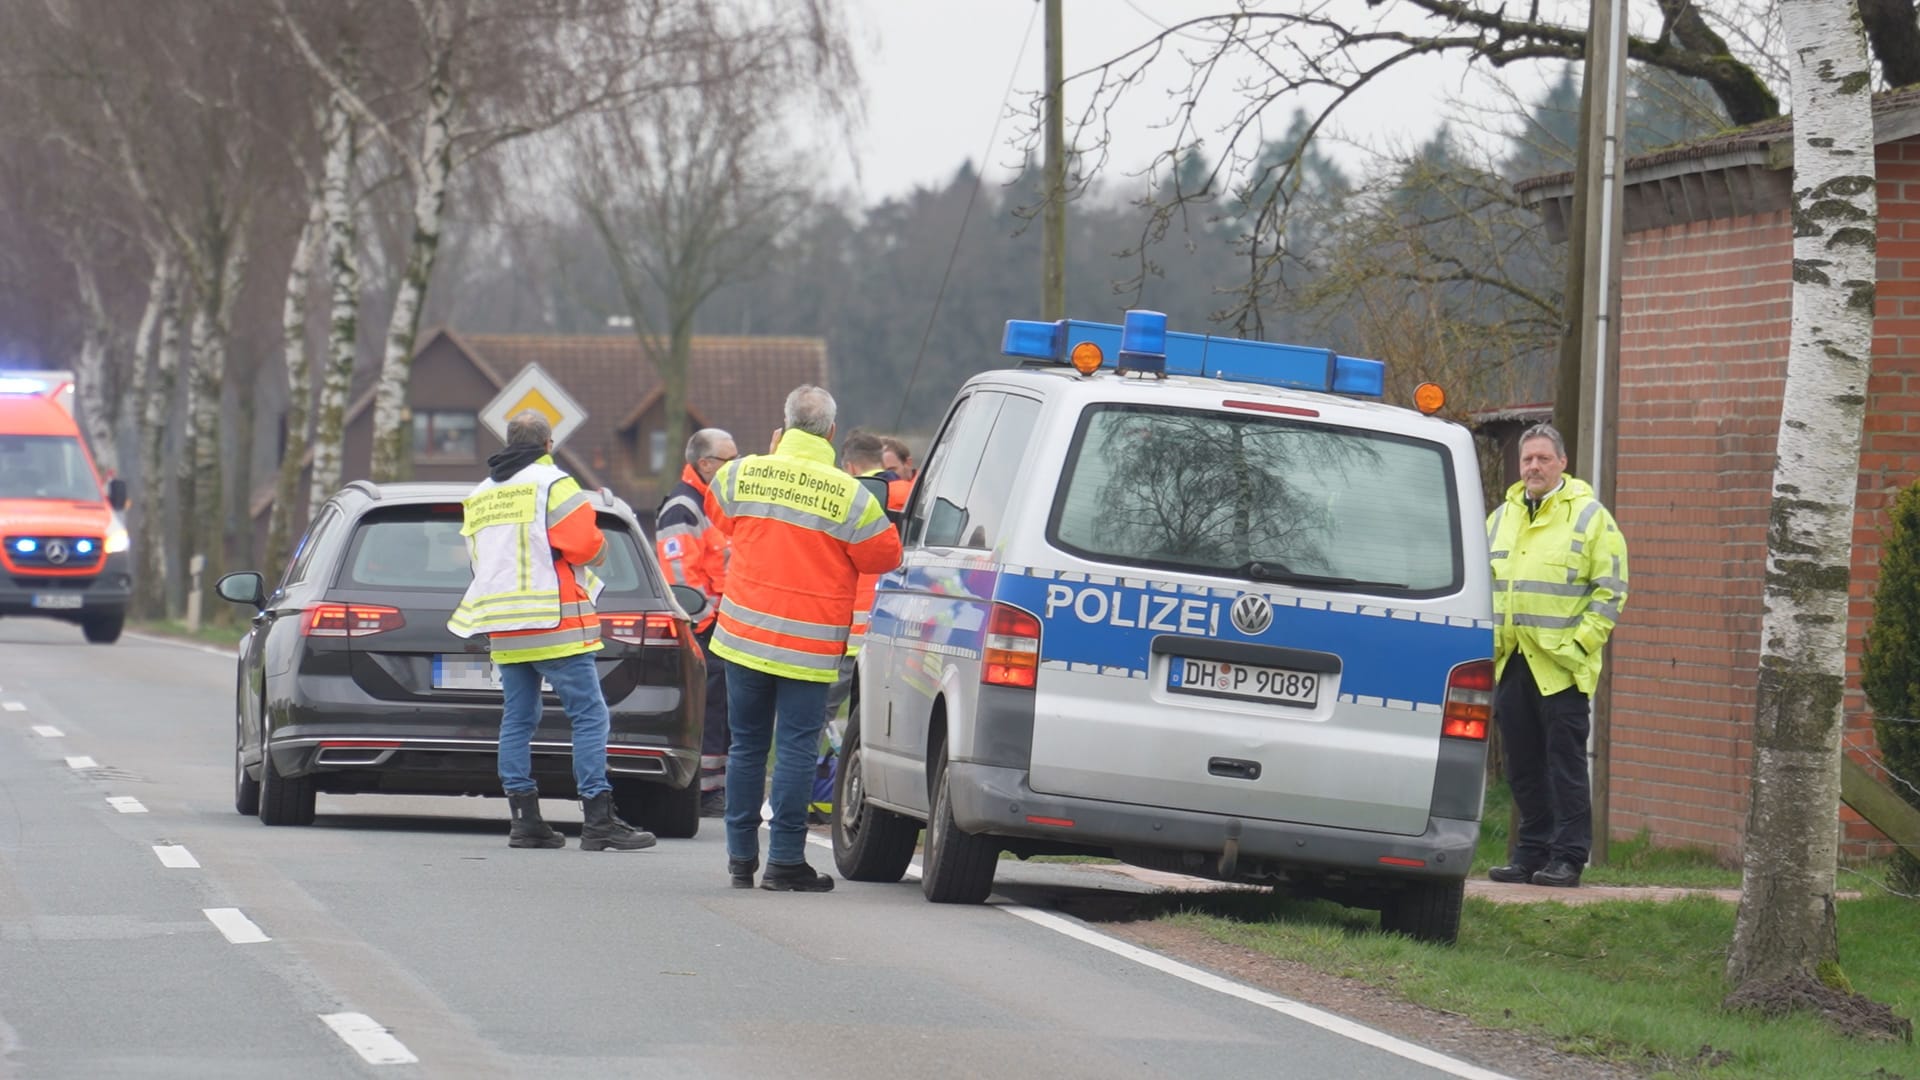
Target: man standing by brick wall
[{"x": 1559, "y": 584}]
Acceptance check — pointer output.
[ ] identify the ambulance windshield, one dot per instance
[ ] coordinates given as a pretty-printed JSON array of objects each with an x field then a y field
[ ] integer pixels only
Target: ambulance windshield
[
  {"x": 1269, "y": 499},
  {"x": 45, "y": 467}
]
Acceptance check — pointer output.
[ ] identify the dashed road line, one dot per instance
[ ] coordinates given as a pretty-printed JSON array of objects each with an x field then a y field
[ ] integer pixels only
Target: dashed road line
[
  {"x": 237, "y": 927},
  {"x": 14, "y": 706},
  {"x": 82, "y": 761},
  {"x": 126, "y": 804},
  {"x": 176, "y": 857},
  {"x": 48, "y": 731},
  {"x": 372, "y": 1042}
]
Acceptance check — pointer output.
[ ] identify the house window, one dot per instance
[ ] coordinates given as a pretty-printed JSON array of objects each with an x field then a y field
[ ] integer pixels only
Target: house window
[
  {"x": 657, "y": 450},
  {"x": 443, "y": 436}
]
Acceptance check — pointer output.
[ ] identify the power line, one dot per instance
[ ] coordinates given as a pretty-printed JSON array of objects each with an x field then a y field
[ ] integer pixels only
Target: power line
[{"x": 979, "y": 177}]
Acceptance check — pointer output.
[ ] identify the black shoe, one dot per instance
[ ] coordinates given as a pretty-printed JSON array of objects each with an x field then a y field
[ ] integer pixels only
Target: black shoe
[
  {"x": 1559, "y": 874},
  {"x": 713, "y": 804},
  {"x": 604, "y": 831},
  {"x": 742, "y": 871},
  {"x": 1512, "y": 874},
  {"x": 796, "y": 878},
  {"x": 528, "y": 829}
]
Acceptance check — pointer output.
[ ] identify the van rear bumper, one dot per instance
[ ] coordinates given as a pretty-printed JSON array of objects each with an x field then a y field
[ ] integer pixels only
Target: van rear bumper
[{"x": 998, "y": 801}]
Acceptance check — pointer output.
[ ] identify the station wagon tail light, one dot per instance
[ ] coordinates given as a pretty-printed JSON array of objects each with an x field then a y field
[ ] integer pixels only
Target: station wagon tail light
[
  {"x": 1013, "y": 648},
  {"x": 641, "y": 627},
  {"x": 349, "y": 620},
  {"x": 1469, "y": 707}
]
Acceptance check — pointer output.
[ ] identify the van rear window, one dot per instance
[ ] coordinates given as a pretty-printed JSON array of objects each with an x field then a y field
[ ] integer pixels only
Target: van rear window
[
  {"x": 1262, "y": 498},
  {"x": 420, "y": 547}
]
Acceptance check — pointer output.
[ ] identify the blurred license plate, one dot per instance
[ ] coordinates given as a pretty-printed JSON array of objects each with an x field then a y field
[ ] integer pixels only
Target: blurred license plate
[
  {"x": 1248, "y": 682},
  {"x": 57, "y": 601},
  {"x": 468, "y": 673}
]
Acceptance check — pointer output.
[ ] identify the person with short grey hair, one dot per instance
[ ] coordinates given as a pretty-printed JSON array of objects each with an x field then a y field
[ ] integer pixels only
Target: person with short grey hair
[
  {"x": 528, "y": 427},
  {"x": 694, "y": 553},
  {"x": 811, "y": 409}
]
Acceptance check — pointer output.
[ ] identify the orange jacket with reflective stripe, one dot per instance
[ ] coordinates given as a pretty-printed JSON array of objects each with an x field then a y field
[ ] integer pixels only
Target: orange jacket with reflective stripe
[
  {"x": 869, "y": 584},
  {"x": 803, "y": 532},
  {"x": 692, "y": 552}
]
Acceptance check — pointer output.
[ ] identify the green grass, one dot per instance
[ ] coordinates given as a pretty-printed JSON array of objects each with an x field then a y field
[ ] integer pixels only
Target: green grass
[
  {"x": 225, "y": 637},
  {"x": 1637, "y": 861},
  {"x": 1637, "y": 982}
]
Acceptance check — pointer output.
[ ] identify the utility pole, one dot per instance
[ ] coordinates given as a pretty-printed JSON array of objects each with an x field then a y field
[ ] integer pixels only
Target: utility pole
[
  {"x": 1589, "y": 395},
  {"x": 1053, "y": 224}
]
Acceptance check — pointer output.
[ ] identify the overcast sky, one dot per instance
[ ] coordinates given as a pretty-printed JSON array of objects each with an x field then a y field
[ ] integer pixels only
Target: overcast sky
[{"x": 937, "y": 73}]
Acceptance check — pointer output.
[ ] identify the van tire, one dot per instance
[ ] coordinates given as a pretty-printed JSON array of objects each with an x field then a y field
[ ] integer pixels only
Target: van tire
[
  {"x": 103, "y": 629},
  {"x": 1426, "y": 911},
  {"x": 869, "y": 844},
  {"x": 957, "y": 867},
  {"x": 283, "y": 801},
  {"x": 668, "y": 812}
]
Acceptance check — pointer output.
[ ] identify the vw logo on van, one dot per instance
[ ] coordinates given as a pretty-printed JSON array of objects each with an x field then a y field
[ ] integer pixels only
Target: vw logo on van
[
  {"x": 57, "y": 552},
  {"x": 1252, "y": 614}
]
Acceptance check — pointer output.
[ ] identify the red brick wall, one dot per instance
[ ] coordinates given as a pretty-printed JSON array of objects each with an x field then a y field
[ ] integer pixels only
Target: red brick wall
[{"x": 1705, "y": 313}]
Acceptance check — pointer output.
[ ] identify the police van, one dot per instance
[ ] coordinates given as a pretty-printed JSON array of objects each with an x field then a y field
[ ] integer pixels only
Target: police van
[{"x": 1206, "y": 605}]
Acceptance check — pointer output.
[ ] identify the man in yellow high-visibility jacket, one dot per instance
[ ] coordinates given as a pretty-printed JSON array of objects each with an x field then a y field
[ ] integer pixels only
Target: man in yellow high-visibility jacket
[{"x": 1559, "y": 584}]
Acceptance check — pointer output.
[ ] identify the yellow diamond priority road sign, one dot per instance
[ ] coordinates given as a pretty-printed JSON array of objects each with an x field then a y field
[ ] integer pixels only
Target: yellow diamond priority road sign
[{"x": 533, "y": 389}]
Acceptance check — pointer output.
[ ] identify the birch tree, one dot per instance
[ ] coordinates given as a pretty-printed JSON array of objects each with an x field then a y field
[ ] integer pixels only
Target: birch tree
[
  {"x": 343, "y": 281},
  {"x": 1785, "y": 951},
  {"x": 293, "y": 327}
]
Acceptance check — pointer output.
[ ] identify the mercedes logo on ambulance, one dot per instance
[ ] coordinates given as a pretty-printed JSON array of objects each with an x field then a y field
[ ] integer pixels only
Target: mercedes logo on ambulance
[
  {"x": 57, "y": 552},
  {"x": 1252, "y": 614}
]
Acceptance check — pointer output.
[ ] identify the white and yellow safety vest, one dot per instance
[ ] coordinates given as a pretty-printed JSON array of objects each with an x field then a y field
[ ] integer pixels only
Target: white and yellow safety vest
[{"x": 516, "y": 585}]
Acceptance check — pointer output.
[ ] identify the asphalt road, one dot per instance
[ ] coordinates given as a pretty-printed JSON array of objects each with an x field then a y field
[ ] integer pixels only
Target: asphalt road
[{"x": 169, "y": 936}]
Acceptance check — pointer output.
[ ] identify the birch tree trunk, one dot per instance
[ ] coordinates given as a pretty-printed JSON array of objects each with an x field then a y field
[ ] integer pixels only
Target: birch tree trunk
[
  {"x": 1784, "y": 943},
  {"x": 92, "y": 373},
  {"x": 299, "y": 385},
  {"x": 156, "y": 552},
  {"x": 212, "y": 324},
  {"x": 133, "y": 404},
  {"x": 343, "y": 324},
  {"x": 390, "y": 432}
]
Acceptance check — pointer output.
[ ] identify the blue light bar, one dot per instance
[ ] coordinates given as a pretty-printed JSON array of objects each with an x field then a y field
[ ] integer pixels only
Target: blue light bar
[
  {"x": 1294, "y": 367},
  {"x": 22, "y": 386}
]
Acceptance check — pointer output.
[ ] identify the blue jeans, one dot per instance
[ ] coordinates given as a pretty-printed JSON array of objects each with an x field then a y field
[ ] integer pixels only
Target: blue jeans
[
  {"x": 753, "y": 700},
  {"x": 577, "y": 682}
]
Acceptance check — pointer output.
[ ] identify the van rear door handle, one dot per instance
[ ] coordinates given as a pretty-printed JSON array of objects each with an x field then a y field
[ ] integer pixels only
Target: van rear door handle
[{"x": 1234, "y": 768}]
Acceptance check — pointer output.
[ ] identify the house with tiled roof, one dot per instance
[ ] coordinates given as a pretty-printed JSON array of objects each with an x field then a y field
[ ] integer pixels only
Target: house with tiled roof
[
  {"x": 1706, "y": 304},
  {"x": 738, "y": 383}
]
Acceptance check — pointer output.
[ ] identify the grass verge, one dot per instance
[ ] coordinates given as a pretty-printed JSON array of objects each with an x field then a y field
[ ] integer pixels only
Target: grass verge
[{"x": 225, "y": 637}]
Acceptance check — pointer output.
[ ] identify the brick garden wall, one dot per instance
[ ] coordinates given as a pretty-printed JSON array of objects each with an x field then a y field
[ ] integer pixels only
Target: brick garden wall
[{"x": 1705, "y": 313}]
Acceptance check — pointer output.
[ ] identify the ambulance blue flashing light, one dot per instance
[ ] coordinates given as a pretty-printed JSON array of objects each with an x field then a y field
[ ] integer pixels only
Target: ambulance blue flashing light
[
  {"x": 1145, "y": 344},
  {"x": 22, "y": 386}
]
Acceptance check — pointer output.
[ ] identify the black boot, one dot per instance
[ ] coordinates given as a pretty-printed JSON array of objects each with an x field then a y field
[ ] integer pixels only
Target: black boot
[
  {"x": 742, "y": 871},
  {"x": 528, "y": 830},
  {"x": 796, "y": 878},
  {"x": 606, "y": 832}
]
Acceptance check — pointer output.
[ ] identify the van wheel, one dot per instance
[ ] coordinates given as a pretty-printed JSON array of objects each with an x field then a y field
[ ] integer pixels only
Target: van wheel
[
  {"x": 957, "y": 867},
  {"x": 1426, "y": 911},
  {"x": 283, "y": 801},
  {"x": 869, "y": 844},
  {"x": 103, "y": 629},
  {"x": 669, "y": 812}
]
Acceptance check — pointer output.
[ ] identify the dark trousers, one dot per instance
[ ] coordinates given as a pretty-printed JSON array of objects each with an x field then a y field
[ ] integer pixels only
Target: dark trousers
[
  {"x": 717, "y": 738},
  {"x": 1543, "y": 738}
]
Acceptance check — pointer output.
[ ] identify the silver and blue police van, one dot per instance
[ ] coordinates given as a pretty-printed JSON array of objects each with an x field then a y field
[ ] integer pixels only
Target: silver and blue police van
[{"x": 1202, "y": 604}]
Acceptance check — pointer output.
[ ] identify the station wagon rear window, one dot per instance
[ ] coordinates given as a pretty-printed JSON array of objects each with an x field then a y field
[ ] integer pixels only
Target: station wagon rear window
[
  {"x": 420, "y": 547},
  {"x": 1262, "y": 498}
]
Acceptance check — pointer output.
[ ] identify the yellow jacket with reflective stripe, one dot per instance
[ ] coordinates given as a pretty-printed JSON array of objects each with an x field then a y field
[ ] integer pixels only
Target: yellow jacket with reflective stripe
[
  {"x": 532, "y": 591},
  {"x": 1559, "y": 584}
]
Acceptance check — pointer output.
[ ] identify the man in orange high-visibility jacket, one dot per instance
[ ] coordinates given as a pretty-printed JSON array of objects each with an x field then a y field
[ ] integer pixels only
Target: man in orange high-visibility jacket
[
  {"x": 694, "y": 553},
  {"x": 803, "y": 532},
  {"x": 533, "y": 538}
]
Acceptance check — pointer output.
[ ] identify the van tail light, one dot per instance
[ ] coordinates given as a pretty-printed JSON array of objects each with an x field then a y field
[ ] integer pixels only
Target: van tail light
[
  {"x": 1469, "y": 707},
  {"x": 1013, "y": 648},
  {"x": 349, "y": 620},
  {"x": 641, "y": 627}
]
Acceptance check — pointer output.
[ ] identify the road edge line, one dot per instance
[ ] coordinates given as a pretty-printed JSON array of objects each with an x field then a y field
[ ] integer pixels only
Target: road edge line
[{"x": 225, "y": 654}]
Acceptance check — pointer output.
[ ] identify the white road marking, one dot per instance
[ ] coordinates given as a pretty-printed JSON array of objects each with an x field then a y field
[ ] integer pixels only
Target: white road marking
[
  {"x": 224, "y": 654},
  {"x": 371, "y": 1041},
  {"x": 82, "y": 762},
  {"x": 237, "y": 927},
  {"x": 14, "y": 706},
  {"x": 175, "y": 856},
  {"x": 48, "y": 731},
  {"x": 126, "y": 804},
  {"x": 1306, "y": 1014}
]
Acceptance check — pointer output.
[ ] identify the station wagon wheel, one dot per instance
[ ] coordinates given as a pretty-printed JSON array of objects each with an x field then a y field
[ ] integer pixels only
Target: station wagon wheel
[
  {"x": 869, "y": 844},
  {"x": 283, "y": 801},
  {"x": 957, "y": 867},
  {"x": 246, "y": 790}
]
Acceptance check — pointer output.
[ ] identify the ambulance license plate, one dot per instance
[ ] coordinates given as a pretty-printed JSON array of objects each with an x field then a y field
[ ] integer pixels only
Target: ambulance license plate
[
  {"x": 57, "y": 601},
  {"x": 1245, "y": 682}
]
